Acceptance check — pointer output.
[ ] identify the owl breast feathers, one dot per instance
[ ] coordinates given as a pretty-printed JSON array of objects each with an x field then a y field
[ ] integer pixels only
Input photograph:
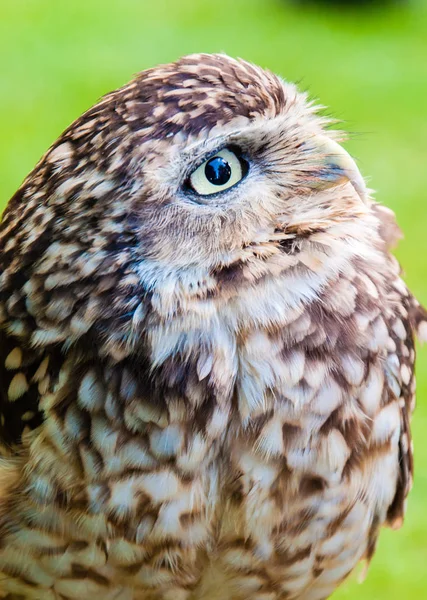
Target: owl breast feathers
[{"x": 206, "y": 350}]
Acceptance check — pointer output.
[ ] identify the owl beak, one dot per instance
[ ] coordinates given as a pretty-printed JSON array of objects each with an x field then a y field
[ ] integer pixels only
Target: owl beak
[{"x": 337, "y": 166}]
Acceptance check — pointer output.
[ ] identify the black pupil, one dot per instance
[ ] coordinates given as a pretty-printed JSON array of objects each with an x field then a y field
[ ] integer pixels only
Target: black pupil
[{"x": 218, "y": 171}]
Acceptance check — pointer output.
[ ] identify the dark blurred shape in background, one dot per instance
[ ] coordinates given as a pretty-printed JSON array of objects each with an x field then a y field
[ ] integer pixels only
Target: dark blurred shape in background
[{"x": 349, "y": 3}]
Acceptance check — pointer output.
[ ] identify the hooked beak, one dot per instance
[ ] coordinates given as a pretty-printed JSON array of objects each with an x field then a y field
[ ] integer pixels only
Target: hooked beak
[{"x": 336, "y": 166}]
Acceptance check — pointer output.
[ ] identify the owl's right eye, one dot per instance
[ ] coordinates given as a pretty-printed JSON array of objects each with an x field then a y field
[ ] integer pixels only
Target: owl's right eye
[{"x": 218, "y": 173}]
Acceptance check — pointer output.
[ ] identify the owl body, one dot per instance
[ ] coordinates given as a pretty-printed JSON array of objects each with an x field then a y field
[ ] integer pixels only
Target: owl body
[{"x": 203, "y": 395}]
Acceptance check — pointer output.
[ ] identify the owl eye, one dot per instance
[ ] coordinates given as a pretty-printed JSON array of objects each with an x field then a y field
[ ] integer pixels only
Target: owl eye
[{"x": 218, "y": 173}]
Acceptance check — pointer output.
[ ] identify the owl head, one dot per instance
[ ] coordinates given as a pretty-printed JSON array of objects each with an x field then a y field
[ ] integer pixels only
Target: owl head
[{"x": 193, "y": 169}]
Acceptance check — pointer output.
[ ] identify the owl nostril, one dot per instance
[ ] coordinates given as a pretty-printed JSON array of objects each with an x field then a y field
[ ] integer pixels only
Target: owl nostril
[{"x": 335, "y": 165}]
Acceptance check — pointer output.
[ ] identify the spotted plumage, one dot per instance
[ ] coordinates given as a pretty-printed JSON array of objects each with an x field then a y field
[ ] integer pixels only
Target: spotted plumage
[{"x": 205, "y": 392}]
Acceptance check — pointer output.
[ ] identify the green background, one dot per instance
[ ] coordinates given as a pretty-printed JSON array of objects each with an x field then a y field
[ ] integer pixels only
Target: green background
[{"x": 368, "y": 65}]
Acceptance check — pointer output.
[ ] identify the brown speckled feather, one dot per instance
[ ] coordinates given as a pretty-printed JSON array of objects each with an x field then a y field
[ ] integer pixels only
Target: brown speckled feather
[{"x": 201, "y": 396}]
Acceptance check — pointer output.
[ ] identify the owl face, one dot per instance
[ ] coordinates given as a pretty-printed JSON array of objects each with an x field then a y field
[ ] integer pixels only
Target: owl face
[
  {"x": 250, "y": 163},
  {"x": 193, "y": 167}
]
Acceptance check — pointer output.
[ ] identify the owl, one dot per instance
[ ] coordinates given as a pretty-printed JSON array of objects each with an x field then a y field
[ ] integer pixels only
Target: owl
[{"x": 206, "y": 350}]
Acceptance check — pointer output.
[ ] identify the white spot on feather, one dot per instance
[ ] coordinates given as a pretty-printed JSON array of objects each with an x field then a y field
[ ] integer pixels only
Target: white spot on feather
[
  {"x": 399, "y": 329},
  {"x": 328, "y": 398},
  {"x": 42, "y": 370},
  {"x": 294, "y": 362},
  {"x": 123, "y": 497},
  {"x": 371, "y": 393},
  {"x": 422, "y": 331},
  {"x": 406, "y": 374},
  {"x": 204, "y": 366},
  {"x": 270, "y": 442},
  {"x": 91, "y": 393},
  {"x": 44, "y": 337},
  {"x": 193, "y": 456},
  {"x": 166, "y": 443},
  {"x": 161, "y": 486},
  {"x": 353, "y": 368},
  {"x": 62, "y": 153},
  {"x": 387, "y": 424},
  {"x": 18, "y": 387}
]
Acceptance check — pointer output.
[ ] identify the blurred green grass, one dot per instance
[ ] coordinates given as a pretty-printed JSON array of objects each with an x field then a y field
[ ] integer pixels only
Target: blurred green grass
[{"x": 369, "y": 66}]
